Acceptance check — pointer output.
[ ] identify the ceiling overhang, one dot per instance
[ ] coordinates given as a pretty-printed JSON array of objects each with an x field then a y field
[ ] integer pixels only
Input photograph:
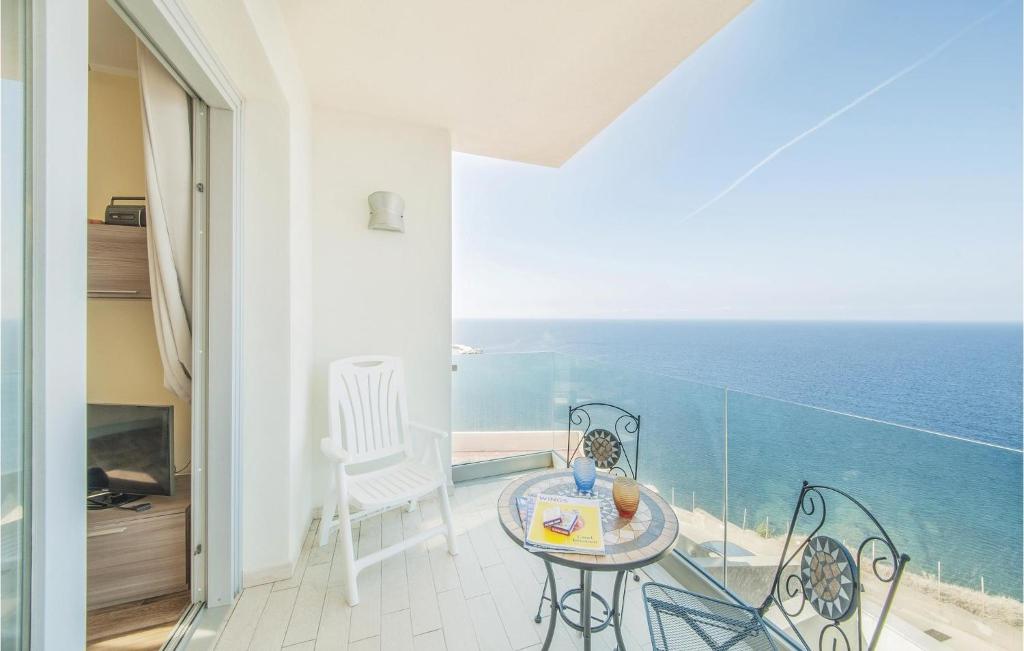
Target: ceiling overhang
[{"x": 524, "y": 80}]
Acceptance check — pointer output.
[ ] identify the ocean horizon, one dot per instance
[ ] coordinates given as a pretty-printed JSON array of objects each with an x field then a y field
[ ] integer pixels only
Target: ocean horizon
[
  {"x": 933, "y": 447},
  {"x": 960, "y": 378}
]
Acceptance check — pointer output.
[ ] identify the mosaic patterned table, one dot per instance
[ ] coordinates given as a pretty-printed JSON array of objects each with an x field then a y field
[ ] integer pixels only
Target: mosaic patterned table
[{"x": 629, "y": 544}]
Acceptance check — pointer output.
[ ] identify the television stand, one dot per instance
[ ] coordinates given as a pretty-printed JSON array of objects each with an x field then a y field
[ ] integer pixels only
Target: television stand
[
  {"x": 108, "y": 499},
  {"x": 135, "y": 555}
]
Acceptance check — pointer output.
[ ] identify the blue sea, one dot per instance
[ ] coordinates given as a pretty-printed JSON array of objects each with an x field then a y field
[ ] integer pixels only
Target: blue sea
[{"x": 935, "y": 449}]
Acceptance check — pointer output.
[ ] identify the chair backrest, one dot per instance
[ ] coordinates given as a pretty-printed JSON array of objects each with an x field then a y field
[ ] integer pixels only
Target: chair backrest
[
  {"x": 829, "y": 578},
  {"x": 366, "y": 401},
  {"x": 608, "y": 434}
]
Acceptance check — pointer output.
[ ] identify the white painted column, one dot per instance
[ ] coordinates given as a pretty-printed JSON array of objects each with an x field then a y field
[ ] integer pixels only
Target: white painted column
[{"x": 59, "y": 126}]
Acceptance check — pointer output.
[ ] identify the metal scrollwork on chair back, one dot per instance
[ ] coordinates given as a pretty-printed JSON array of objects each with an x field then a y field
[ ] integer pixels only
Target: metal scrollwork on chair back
[
  {"x": 608, "y": 447},
  {"x": 829, "y": 578}
]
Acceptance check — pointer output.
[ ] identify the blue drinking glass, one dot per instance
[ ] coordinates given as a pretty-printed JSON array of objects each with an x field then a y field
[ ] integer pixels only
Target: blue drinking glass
[{"x": 585, "y": 473}]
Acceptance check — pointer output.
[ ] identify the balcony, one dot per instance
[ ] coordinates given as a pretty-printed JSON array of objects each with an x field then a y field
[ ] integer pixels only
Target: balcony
[
  {"x": 486, "y": 597},
  {"x": 725, "y": 456},
  {"x": 719, "y": 456}
]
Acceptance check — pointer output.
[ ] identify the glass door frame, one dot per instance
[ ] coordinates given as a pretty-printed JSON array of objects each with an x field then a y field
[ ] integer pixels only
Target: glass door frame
[
  {"x": 16, "y": 299},
  {"x": 57, "y": 195},
  {"x": 172, "y": 37}
]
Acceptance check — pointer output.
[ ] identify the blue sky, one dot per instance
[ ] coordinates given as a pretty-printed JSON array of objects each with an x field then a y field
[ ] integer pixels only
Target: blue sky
[{"x": 906, "y": 207}]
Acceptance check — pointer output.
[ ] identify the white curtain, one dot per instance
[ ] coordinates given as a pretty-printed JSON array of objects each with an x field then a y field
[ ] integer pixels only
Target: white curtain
[{"x": 167, "y": 142}]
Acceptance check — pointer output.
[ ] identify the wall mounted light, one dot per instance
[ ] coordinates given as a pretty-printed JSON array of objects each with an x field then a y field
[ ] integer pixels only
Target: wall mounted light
[{"x": 387, "y": 211}]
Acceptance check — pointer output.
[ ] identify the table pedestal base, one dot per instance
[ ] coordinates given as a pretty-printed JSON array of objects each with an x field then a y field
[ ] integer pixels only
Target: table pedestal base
[
  {"x": 597, "y": 623},
  {"x": 610, "y": 617}
]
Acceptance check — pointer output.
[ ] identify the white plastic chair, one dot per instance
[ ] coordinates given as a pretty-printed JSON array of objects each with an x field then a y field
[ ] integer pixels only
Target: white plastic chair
[{"x": 373, "y": 468}]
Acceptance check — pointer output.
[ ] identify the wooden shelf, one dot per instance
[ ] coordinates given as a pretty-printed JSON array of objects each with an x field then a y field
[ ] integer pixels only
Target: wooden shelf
[{"x": 118, "y": 262}]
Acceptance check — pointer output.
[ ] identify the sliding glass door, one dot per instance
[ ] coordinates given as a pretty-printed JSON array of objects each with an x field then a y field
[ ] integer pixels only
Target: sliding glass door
[{"x": 14, "y": 329}]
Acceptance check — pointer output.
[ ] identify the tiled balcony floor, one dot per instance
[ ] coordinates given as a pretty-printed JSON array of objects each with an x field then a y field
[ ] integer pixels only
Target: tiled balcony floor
[{"x": 424, "y": 599}]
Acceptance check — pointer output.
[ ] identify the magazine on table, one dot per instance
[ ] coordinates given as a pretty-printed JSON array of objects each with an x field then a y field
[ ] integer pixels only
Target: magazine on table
[
  {"x": 524, "y": 505},
  {"x": 562, "y": 524}
]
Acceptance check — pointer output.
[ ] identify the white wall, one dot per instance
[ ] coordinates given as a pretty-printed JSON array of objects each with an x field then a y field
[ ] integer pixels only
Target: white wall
[
  {"x": 269, "y": 23},
  {"x": 318, "y": 284},
  {"x": 378, "y": 292},
  {"x": 267, "y": 425}
]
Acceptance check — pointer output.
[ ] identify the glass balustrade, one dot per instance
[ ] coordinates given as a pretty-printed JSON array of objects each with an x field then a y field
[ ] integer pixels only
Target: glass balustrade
[
  {"x": 732, "y": 464},
  {"x": 505, "y": 405},
  {"x": 952, "y": 505}
]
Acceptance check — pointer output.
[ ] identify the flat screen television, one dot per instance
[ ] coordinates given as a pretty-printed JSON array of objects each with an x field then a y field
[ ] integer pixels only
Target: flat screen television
[{"x": 130, "y": 450}]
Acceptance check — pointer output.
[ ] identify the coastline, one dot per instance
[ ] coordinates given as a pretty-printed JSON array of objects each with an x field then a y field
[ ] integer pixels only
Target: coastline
[
  {"x": 972, "y": 525},
  {"x": 971, "y": 619}
]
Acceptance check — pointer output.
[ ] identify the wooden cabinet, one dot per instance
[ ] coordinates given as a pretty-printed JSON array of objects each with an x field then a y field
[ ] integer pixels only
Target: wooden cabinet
[
  {"x": 118, "y": 262},
  {"x": 134, "y": 556}
]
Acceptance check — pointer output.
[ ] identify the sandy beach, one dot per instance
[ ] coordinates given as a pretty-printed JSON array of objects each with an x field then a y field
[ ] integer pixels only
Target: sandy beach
[{"x": 927, "y": 614}]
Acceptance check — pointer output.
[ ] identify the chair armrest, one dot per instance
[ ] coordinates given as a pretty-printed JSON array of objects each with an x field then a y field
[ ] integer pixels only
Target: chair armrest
[
  {"x": 433, "y": 431},
  {"x": 334, "y": 451}
]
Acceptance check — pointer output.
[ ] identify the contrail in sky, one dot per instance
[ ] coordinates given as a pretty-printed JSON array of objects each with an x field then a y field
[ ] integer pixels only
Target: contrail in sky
[{"x": 832, "y": 116}]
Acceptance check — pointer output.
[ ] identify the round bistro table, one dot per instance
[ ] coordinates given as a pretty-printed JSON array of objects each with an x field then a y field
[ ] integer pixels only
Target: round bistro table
[{"x": 629, "y": 544}]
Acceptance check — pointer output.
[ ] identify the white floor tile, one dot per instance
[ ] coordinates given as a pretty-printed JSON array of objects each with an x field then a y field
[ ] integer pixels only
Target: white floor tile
[
  {"x": 273, "y": 624},
  {"x": 424, "y": 599},
  {"x": 365, "y": 621},
  {"x": 471, "y": 576},
  {"x": 515, "y": 617},
  {"x": 334, "y": 620},
  {"x": 459, "y": 634},
  {"x": 243, "y": 619},
  {"x": 369, "y": 644},
  {"x": 432, "y": 641},
  {"x": 422, "y": 596},
  {"x": 394, "y": 593},
  {"x": 490, "y": 633},
  {"x": 396, "y": 631},
  {"x": 300, "y": 565},
  {"x": 442, "y": 566},
  {"x": 309, "y": 603}
]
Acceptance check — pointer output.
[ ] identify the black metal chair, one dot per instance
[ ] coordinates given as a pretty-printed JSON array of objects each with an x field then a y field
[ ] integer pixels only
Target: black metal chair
[
  {"x": 607, "y": 434},
  {"x": 610, "y": 436},
  {"x": 828, "y": 578}
]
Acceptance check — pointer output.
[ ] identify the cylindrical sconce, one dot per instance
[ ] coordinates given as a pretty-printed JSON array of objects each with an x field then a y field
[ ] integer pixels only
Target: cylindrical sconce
[{"x": 387, "y": 211}]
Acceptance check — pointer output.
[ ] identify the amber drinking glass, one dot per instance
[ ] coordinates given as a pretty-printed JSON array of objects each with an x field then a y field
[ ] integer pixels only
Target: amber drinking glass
[{"x": 626, "y": 494}]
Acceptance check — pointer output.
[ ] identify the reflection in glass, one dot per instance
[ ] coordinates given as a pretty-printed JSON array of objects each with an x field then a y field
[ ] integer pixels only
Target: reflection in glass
[
  {"x": 953, "y": 505},
  {"x": 13, "y": 327},
  {"x": 506, "y": 405}
]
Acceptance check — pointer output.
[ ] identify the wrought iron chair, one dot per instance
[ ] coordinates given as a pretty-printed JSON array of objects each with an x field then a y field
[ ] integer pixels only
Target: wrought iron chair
[
  {"x": 610, "y": 436},
  {"x": 828, "y": 579},
  {"x": 609, "y": 448}
]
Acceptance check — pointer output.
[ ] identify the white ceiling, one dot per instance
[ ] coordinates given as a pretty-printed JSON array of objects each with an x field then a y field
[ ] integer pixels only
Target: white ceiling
[
  {"x": 111, "y": 43},
  {"x": 526, "y": 80}
]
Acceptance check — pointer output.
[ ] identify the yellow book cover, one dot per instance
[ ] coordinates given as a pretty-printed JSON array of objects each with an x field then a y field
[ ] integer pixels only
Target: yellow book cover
[{"x": 554, "y": 515}]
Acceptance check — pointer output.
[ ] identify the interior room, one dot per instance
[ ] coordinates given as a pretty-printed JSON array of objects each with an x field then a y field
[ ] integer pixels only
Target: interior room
[{"x": 139, "y": 418}]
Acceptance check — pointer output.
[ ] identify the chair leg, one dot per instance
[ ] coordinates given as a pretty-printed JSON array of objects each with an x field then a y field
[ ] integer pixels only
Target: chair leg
[
  {"x": 411, "y": 506},
  {"x": 349, "y": 553},
  {"x": 449, "y": 521},
  {"x": 327, "y": 512}
]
